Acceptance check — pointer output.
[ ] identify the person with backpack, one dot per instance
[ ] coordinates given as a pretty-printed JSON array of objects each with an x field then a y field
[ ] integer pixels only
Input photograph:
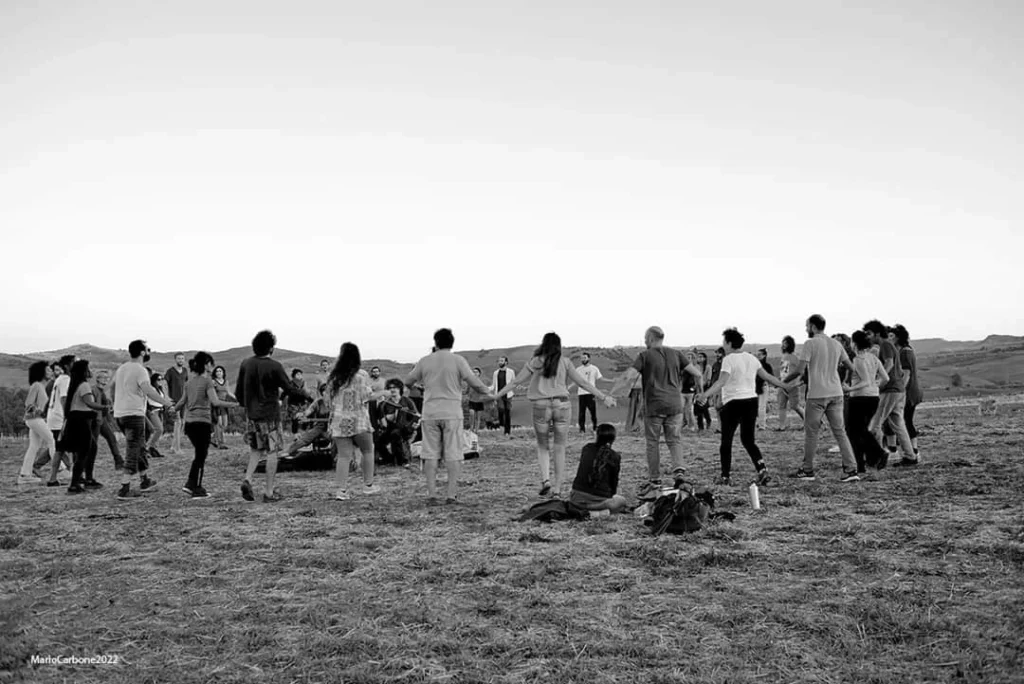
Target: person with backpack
[{"x": 597, "y": 478}]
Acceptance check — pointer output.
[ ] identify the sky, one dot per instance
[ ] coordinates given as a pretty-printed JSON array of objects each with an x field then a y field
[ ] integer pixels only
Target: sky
[{"x": 193, "y": 172}]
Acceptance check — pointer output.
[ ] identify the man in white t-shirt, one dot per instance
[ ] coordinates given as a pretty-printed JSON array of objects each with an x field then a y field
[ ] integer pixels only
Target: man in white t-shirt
[
  {"x": 737, "y": 381},
  {"x": 587, "y": 401},
  {"x": 130, "y": 392},
  {"x": 822, "y": 356}
]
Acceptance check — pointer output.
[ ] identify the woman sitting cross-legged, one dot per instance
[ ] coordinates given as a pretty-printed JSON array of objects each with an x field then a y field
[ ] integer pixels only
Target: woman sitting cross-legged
[{"x": 597, "y": 478}]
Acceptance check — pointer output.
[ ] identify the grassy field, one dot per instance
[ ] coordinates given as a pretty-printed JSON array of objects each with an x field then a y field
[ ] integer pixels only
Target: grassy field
[{"x": 915, "y": 576}]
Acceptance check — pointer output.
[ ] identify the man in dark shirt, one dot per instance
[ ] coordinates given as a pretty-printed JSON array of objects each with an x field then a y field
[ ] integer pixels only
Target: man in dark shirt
[
  {"x": 293, "y": 407},
  {"x": 176, "y": 377},
  {"x": 261, "y": 380},
  {"x": 662, "y": 370}
]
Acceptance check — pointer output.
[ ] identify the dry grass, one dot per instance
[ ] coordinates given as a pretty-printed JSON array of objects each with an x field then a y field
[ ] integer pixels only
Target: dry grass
[{"x": 913, "y": 577}]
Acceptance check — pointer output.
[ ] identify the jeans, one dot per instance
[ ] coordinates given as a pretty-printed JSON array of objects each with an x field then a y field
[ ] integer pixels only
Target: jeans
[
  {"x": 40, "y": 440},
  {"x": 688, "y": 416},
  {"x": 155, "y": 419},
  {"x": 740, "y": 413},
  {"x": 672, "y": 426},
  {"x": 832, "y": 409},
  {"x": 101, "y": 428},
  {"x": 908, "y": 420},
  {"x": 200, "y": 434},
  {"x": 703, "y": 415},
  {"x": 866, "y": 449},
  {"x": 890, "y": 413},
  {"x": 762, "y": 410},
  {"x": 504, "y": 414},
  {"x": 134, "y": 430},
  {"x": 588, "y": 402},
  {"x": 552, "y": 415}
]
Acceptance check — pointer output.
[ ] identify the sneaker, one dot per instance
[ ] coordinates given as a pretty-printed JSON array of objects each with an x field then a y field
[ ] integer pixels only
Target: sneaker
[
  {"x": 371, "y": 489},
  {"x": 905, "y": 463},
  {"x": 342, "y": 495},
  {"x": 222, "y": 447},
  {"x": 803, "y": 475},
  {"x": 148, "y": 484},
  {"x": 125, "y": 493},
  {"x": 272, "y": 498},
  {"x": 545, "y": 489},
  {"x": 883, "y": 461},
  {"x": 247, "y": 491},
  {"x": 648, "y": 491},
  {"x": 850, "y": 476},
  {"x": 451, "y": 500},
  {"x": 763, "y": 478},
  {"x": 93, "y": 484},
  {"x": 200, "y": 493},
  {"x": 723, "y": 481},
  {"x": 187, "y": 488},
  {"x": 55, "y": 483},
  {"x": 29, "y": 480},
  {"x": 76, "y": 489},
  {"x": 155, "y": 453},
  {"x": 38, "y": 473}
]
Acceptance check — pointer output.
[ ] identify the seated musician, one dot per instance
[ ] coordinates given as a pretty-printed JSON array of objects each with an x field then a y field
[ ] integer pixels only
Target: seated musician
[
  {"x": 398, "y": 421},
  {"x": 315, "y": 417}
]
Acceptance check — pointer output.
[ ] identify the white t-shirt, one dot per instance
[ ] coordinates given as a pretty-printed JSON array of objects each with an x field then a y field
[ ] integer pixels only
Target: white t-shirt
[
  {"x": 591, "y": 374},
  {"x": 742, "y": 368},
  {"x": 55, "y": 417},
  {"x": 129, "y": 397}
]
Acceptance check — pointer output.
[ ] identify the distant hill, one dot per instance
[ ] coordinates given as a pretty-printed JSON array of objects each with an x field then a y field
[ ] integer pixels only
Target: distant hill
[{"x": 993, "y": 364}]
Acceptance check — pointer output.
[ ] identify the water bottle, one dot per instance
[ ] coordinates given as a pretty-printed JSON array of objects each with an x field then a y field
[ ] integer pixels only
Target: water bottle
[{"x": 755, "y": 497}]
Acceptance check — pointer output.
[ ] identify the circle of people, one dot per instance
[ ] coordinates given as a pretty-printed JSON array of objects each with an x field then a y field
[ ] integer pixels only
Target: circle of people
[{"x": 864, "y": 386}]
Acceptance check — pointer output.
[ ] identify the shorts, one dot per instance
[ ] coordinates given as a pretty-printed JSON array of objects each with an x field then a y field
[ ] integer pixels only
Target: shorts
[
  {"x": 264, "y": 435},
  {"x": 442, "y": 437},
  {"x": 476, "y": 406}
]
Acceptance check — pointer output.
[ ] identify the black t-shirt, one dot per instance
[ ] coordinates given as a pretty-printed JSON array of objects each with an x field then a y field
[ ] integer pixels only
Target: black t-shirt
[{"x": 598, "y": 477}]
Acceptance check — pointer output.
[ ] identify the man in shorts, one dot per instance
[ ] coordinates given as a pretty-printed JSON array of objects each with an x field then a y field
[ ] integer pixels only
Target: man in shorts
[
  {"x": 662, "y": 371},
  {"x": 176, "y": 377},
  {"x": 442, "y": 374},
  {"x": 261, "y": 380}
]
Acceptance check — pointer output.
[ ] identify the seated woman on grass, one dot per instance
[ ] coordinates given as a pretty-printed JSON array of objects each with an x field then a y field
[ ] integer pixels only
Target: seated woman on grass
[{"x": 597, "y": 478}]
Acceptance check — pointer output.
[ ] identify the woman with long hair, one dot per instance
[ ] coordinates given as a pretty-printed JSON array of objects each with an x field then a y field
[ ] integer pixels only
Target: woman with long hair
[
  {"x": 39, "y": 437},
  {"x": 155, "y": 416},
  {"x": 349, "y": 392},
  {"x": 220, "y": 415},
  {"x": 552, "y": 412},
  {"x": 199, "y": 399},
  {"x": 80, "y": 409},
  {"x": 788, "y": 398},
  {"x": 597, "y": 478},
  {"x": 915, "y": 395}
]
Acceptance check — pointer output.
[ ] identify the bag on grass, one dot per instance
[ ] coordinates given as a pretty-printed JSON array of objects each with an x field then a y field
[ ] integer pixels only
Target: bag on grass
[
  {"x": 680, "y": 510},
  {"x": 470, "y": 445},
  {"x": 554, "y": 509}
]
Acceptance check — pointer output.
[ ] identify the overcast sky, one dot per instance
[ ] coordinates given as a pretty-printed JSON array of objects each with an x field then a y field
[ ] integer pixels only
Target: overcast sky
[{"x": 191, "y": 172}]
